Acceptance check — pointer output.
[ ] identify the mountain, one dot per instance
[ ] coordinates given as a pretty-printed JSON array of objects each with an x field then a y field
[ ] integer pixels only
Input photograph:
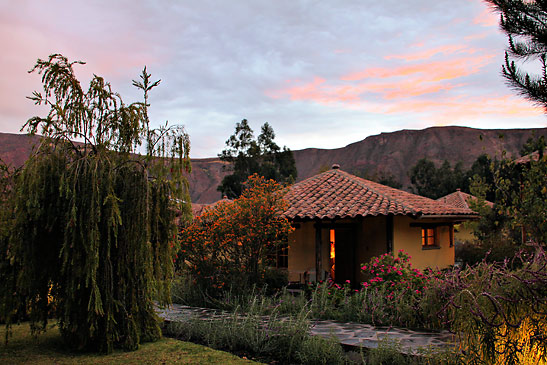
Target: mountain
[{"x": 387, "y": 153}]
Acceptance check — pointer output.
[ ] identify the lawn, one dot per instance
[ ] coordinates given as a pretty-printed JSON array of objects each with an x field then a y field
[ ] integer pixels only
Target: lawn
[{"x": 48, "y": 348}]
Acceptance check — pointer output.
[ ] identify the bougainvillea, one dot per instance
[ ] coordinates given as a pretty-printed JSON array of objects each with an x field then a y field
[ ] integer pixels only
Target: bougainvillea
[
  {"x": 396, "y": 273},
  {"x": 231, "y": 244}
]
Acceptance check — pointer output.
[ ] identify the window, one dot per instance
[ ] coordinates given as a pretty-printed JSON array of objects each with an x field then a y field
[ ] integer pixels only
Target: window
[
  {"x": 280, "y": 258},
  {"x": 429, "y": 237},
  {"x": 283, "y": 255}
]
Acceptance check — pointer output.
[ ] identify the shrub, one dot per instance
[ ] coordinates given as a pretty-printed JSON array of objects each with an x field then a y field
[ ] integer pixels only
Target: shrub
[
  {"x": 499, "y": 313},
  {"x": 230, "y": 245}
]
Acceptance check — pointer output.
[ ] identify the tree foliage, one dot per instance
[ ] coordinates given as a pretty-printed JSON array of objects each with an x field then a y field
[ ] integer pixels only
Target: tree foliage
[
  {"x": 522, "y": 196},
  {"x": 433, "y": 182},
  {"x": 519, "y": 197},
  {"x": 231, "y": 244},
  {"x": 248, "y": 156},
  {"x": 524, "y": 23},
  {"x": 93, "y": 223}
]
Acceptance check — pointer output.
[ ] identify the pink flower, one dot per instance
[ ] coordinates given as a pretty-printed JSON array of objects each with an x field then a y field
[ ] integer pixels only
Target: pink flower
[
  {"x": 366, "y": 285},
  {"x": 347, "y": 281},
  {"x": 364, "y": 267}
]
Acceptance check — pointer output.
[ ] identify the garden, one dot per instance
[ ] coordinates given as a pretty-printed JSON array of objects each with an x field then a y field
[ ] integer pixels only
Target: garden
[{"x": 496, "y": 309}]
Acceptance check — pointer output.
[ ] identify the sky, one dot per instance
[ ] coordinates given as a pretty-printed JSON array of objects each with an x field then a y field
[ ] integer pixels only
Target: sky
[{"x": 322, "y": 73}]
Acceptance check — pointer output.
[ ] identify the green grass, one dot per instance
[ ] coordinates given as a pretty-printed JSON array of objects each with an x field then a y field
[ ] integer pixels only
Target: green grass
[{"x": 48, "y": 348}]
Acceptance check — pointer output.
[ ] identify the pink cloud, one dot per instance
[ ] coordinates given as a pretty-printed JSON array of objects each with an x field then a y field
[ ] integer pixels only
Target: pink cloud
[
  {"x": 428, "y": 53},
  {"x": 437, "y": 70},
  {"x": 487, "y": 18},
  {"x": 466, "y": 108},
  {"x": 386, "y": 83}
]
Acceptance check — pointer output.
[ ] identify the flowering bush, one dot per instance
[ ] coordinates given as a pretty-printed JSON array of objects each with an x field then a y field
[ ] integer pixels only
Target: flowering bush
[
  {"x": 396, "y": 273},
  {"x": 229, "y": 245}
]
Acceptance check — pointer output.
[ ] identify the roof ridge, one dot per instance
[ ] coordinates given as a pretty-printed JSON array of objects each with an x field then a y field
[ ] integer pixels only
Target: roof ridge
[
  {"x": 361, "y": 181},
  {"x": 464, "y": 196}
]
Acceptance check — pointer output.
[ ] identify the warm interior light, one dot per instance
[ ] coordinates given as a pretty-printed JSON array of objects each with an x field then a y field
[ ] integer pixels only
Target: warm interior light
[{"x": 332, "y": 254}]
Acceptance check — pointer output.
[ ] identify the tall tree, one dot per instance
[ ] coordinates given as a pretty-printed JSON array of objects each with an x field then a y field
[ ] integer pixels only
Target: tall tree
[
  {"x": 248, "y": 156},
  {"x": 93, "y": 222},
  {"x": 524, "y": 23},
  {"x": 425, "y": 178},
  {"x": 433, "y": 182}
]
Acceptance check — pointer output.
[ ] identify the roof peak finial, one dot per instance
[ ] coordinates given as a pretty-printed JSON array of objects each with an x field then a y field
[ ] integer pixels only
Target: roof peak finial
[{"x": 335, "y": 166}]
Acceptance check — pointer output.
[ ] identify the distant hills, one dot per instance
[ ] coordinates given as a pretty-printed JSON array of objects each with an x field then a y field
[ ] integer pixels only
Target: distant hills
[{"x": 387, "y": 153}]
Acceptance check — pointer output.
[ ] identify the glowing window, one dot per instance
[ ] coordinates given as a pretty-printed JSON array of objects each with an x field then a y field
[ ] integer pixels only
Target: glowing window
[{"x": 428, "y": 237}]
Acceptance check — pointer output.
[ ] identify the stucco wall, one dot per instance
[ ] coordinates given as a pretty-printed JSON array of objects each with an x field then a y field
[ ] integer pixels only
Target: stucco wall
[
  {"x": 409, "y": 239},
  {"x": 302, "y": 251},
  {"x": 370, "y": 241}
]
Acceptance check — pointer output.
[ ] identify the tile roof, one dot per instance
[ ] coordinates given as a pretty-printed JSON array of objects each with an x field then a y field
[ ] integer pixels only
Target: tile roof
[
  {"x": 198, "y": 209},
  {"x": 532, "y": 156},
  {"x": 337, "y": 194},
  {"x": 460, "y": 199}
]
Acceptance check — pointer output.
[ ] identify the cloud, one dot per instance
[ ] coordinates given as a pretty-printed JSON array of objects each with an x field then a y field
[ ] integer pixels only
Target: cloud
[
  {"x": 387, "y": 83},
  {"x": 487, "y": 18}
]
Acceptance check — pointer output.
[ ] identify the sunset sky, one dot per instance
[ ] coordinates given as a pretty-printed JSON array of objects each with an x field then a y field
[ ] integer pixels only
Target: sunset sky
[{"x": 322, "y": 73}]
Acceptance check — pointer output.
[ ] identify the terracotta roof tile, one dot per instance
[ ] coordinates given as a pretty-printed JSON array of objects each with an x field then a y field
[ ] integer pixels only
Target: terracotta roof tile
[
  {"x": 337, "y": 194},
  {"x": 460, "y": 199},
  {"x": 532, "y": 156}
]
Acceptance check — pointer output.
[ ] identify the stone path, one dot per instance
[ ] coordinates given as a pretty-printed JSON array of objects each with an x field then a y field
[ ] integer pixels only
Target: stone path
[{"x": 349, "y": 334}]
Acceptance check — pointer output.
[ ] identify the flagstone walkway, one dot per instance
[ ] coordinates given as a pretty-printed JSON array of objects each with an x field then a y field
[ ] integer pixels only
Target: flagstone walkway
[{"x": 349, "y": 334}]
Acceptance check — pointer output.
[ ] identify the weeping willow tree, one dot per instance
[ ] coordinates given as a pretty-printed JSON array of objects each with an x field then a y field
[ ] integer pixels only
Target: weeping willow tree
[{"x": 93, "y": 230}]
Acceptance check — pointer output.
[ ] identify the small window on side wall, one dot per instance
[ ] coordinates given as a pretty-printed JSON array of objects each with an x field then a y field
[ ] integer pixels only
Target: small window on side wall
[{"x": 429, "y": 237}]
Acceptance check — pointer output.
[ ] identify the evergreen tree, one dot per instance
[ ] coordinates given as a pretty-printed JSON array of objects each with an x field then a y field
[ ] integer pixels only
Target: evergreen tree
[
  {"x": 93, "y": 223},
  {"x": 425, "y": 178},
  {"x": 524, "y": 22},
  {"x": 433, "y": 182},
  {"x": 248, "y": 156}
]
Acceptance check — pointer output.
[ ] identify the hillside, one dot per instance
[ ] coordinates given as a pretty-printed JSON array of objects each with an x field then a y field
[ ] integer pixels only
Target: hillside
[{"x": 392, "y": 153}]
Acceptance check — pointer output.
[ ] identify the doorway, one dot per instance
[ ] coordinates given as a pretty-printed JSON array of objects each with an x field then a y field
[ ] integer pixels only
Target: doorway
[{"x": 342, "y": 254}]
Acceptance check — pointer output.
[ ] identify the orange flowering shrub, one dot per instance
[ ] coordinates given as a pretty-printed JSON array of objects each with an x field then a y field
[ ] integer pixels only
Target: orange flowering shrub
[{"x": 231, "y": 243}]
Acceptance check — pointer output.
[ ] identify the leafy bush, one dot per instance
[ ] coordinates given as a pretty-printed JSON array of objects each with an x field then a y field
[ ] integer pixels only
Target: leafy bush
[
  {"x": 488, "y": 250},
  {"x": 229, "y": 246}
]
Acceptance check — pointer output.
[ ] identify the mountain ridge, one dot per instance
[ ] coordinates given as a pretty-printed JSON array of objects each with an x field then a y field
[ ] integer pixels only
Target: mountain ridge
[{"x": 392, "y": 153}]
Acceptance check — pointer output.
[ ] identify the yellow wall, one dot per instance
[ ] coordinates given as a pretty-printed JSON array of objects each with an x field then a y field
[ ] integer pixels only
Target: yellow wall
[
  {"x": 409, "y": 239},
  {"x": 370, "y": 241},
  {"x": 302, "y": 251}
]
